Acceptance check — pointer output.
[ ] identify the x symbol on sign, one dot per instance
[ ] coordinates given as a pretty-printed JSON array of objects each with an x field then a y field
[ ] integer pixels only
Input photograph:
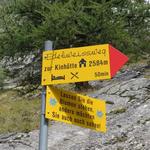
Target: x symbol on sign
[{"x": 74, "y": 75}]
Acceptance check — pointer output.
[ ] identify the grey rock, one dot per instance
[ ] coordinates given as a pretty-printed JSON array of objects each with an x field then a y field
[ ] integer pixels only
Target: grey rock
[{"x": 128, "y": 120}]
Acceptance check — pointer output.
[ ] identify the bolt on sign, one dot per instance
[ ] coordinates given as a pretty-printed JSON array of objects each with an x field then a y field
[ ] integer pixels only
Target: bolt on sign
[
  {"x": 75, "y": 109},
  {"x": 81, "y": 64}
]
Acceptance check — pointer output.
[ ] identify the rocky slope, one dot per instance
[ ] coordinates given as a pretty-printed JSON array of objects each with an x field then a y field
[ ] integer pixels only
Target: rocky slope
[{"x": 128, "y": 119}]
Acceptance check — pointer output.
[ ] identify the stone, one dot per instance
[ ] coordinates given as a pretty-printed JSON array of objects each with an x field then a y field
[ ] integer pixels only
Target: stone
[{"x": 128, "y": 128}]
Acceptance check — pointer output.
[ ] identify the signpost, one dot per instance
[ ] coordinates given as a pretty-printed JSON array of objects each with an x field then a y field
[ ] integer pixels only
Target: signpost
[
  {"x": 75, "y": 109},
  {"x": 44, "y": 122},
  {"x": 81, "y": 64},
  {"x": 76, "y": 65}
]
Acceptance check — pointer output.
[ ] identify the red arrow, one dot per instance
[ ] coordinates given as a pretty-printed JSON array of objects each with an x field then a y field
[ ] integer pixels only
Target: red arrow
[{"x": 117, "y": 60}]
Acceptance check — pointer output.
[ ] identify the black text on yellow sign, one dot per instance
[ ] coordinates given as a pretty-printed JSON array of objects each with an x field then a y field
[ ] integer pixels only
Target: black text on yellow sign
[
  {"x": 76, "y": 64},
  {"x": 75, "y": 109}
]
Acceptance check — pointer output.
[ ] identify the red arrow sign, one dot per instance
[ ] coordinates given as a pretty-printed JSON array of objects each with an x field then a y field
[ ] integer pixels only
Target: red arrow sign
[{"x": 117, "y": 60}]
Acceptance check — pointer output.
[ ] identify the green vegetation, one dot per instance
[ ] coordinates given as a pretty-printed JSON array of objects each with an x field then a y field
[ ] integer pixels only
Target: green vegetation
[
  {"x": 2, "y": 77},
  {"x": 109, "y": 102},
  {"x": 26, "y": 24},
  {"x": 118, "y": 111},
  {"x": 18, "y": 113}
]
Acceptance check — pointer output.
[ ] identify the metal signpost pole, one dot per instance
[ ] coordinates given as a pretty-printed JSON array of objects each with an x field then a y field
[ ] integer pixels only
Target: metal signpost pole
[{"x": 43, "y": 139}]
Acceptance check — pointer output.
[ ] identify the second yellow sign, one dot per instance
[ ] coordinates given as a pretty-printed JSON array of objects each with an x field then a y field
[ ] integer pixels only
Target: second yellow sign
[{"x": 75, "y": 109}]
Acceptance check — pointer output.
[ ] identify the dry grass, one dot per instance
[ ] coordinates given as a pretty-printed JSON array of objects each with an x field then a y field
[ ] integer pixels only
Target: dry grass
[{"x": 18, "y": 114}]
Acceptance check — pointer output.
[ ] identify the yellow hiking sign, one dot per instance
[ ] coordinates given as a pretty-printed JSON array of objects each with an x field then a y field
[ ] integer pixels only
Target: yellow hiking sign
[
  {"x": 75, "y": 109},
  {"x": 76, "y": 64}
]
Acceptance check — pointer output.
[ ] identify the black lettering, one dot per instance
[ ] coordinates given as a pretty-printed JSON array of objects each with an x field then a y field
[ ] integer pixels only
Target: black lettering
[
  {"x": 90, "y": 63},
  {"x": 79, "y": 121},
  {"x": 67, "y": 118},
  {"x": 104, "y": 52},
  {"x": 55, "y": 115},
  {"x": 105, "y": 62},
  {"x": 92, "y": 124},
  {"x": 80, "y": 99},
  {"x": 67, "y": 103},
  {"x": 85, "y": 108},
  {"x": 101, "y": 74},
  {"x": 70, "y": 97},
  {"x": 56, "y": 67},
  {"x": 66, "y": 110},
  {"x": 89, "y": 102},
  {"x": 84, "y": 115},
  {"x": 47, "y": 68}
]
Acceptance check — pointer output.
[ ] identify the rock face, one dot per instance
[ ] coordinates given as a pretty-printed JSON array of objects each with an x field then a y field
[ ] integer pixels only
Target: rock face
[
  {"x": 22, "y": 69},
  {"x": 128, "y": 119}
]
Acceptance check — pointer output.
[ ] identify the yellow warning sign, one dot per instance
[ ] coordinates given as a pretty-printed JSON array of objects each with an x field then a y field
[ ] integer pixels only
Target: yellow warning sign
[
  {"x": 75, "y": 109},
  {"x": 76, "y": 64}
]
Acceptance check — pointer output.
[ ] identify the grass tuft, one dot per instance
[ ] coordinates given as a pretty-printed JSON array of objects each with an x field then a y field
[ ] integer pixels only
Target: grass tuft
[{"x": 18, "y": 114}]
